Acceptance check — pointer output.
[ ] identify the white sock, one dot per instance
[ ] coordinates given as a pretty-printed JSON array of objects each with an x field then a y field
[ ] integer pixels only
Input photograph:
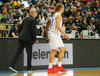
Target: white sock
[
  {"x": 55, "y": 61},
  {"x": 50, "y": 65},
  {"x": 59, "y": 63}
]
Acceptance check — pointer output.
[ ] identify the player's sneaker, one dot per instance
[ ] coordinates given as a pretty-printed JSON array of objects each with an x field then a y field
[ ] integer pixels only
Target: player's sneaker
[
  {"x": 52, "y": 70},
  {"x": 12, "y": 69},
  {"x": 61, "y": 69},
  {"x": 54, "y": 66}
]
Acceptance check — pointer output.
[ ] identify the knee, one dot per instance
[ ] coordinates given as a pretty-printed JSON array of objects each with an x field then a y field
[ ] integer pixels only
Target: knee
[{"x": 62, "y": 49}]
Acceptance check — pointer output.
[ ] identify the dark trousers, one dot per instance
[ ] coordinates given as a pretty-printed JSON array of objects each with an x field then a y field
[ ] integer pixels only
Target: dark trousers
[{"x": 20, "y": 48}]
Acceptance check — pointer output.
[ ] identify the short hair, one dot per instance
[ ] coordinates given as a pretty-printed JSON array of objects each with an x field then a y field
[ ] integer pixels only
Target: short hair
[
  {"x": 30, "y": 5},
  {"x": 15, "y": 22},
  {"x": 22, "y": 5},
  {"x": 68, "y": 4},
  {"x": 58, "y": 6}
]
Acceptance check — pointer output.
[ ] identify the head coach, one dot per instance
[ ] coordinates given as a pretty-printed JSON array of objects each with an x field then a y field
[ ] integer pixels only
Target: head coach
[{"x": 26, "y": 39}]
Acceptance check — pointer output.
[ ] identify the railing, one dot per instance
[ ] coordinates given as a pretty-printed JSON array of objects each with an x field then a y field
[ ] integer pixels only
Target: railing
[{"x": 5, "y": 29}]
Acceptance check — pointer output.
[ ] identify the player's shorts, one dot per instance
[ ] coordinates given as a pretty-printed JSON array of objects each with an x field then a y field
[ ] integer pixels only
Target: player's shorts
[{"x": 55, "y": 41}]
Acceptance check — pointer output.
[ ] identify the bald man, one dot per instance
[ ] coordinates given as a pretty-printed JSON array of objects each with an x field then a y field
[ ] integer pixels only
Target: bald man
[{"x": 26, "y": 39}]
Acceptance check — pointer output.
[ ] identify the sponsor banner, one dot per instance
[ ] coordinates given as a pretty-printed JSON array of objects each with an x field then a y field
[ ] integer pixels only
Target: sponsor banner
[{"x": 40, "y": 54}]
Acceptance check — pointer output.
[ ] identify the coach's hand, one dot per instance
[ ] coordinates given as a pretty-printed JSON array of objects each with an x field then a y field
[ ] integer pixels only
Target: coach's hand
[
  {"x": 67, "y": 37},
  {"x": 37, "y": 42}
]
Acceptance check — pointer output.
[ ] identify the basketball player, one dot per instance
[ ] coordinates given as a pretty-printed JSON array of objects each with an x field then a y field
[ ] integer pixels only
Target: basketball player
[{"x": 55, "y": 39}]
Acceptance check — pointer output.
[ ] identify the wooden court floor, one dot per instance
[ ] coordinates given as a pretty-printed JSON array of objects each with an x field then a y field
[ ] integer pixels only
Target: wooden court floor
[{"x": 95, "y": 71}]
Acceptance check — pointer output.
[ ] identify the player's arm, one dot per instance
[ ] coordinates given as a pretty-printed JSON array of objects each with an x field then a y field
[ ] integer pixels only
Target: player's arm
[
  {"x": 13, "y": 34},
  {"x": 58, "y": 20},
  {"x": 46, "y": 29},
  {"x": 70, "y": 19}
]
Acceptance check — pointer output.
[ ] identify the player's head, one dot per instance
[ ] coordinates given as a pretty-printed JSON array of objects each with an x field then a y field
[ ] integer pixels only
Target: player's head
[{"x": 59, "y": 7}]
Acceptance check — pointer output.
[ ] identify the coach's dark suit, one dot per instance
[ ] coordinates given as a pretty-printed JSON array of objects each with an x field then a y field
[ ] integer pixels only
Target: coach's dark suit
[{"x": 26, "y": 39}]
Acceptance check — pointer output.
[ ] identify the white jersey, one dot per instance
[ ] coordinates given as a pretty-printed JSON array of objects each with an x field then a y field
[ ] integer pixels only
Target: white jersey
[
  {"x": 54, "y": 34},
  {"x": 53, "y": 28}
]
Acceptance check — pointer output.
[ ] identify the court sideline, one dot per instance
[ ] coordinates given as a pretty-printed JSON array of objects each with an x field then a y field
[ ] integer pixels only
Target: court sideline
[{"x": 92, "y": 71}]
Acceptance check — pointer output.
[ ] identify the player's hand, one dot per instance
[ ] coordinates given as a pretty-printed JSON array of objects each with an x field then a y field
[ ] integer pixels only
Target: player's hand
[
  {"x": 67, "y": 37},
  {"x": 47, "y": 39},
  {"x": 37, "y": 42}
]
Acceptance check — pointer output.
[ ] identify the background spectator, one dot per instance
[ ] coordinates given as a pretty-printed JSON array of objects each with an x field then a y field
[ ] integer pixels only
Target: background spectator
[
  {"x": 20, "y": 10},
  {"x": 83, "y": 25},
  {"x": 3, "y": 14},
  {"x": 10, "y": 16},
  {"x": 89, "y": 10},
  {"x": 14, "y": 30}
]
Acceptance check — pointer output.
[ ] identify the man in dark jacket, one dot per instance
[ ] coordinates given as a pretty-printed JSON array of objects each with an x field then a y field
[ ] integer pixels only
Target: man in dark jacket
[{"x": 26, "y": 39}]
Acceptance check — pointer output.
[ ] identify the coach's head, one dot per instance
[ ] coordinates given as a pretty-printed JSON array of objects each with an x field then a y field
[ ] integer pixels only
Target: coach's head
[{"x": 33, "y": 12}]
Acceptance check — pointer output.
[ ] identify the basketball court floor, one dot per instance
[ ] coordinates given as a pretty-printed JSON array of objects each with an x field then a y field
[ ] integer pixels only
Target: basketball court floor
[{"x": 91, "y": 71}]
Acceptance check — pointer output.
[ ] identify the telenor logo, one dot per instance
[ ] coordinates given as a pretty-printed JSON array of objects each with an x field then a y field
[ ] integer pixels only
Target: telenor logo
[{"x": 45, "y": 54}]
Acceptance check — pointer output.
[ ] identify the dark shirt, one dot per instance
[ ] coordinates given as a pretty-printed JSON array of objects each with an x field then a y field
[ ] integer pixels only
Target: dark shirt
[
  {"x": 88, "y": 20},
  {"x": 13, "y": 30},
  {"x": 28, "y": 30},
  {"x": 83, "y": 26}
]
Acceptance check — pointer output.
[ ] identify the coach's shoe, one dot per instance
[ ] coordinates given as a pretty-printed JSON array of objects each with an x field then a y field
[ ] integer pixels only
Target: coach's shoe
[
  {"x": 12, "y": 69},
  {"x": 54, "y": 66},
  {"x": 52, "y": 70},
  {"x": 61, "y": 69}
]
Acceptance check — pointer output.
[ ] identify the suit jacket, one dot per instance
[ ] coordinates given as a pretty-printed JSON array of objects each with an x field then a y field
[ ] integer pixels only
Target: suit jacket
[{"x": 28, "y": 30}]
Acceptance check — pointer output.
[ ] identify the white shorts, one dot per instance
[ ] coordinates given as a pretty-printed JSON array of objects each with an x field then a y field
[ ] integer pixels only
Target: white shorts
[{"x": 55, "y": 41}]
